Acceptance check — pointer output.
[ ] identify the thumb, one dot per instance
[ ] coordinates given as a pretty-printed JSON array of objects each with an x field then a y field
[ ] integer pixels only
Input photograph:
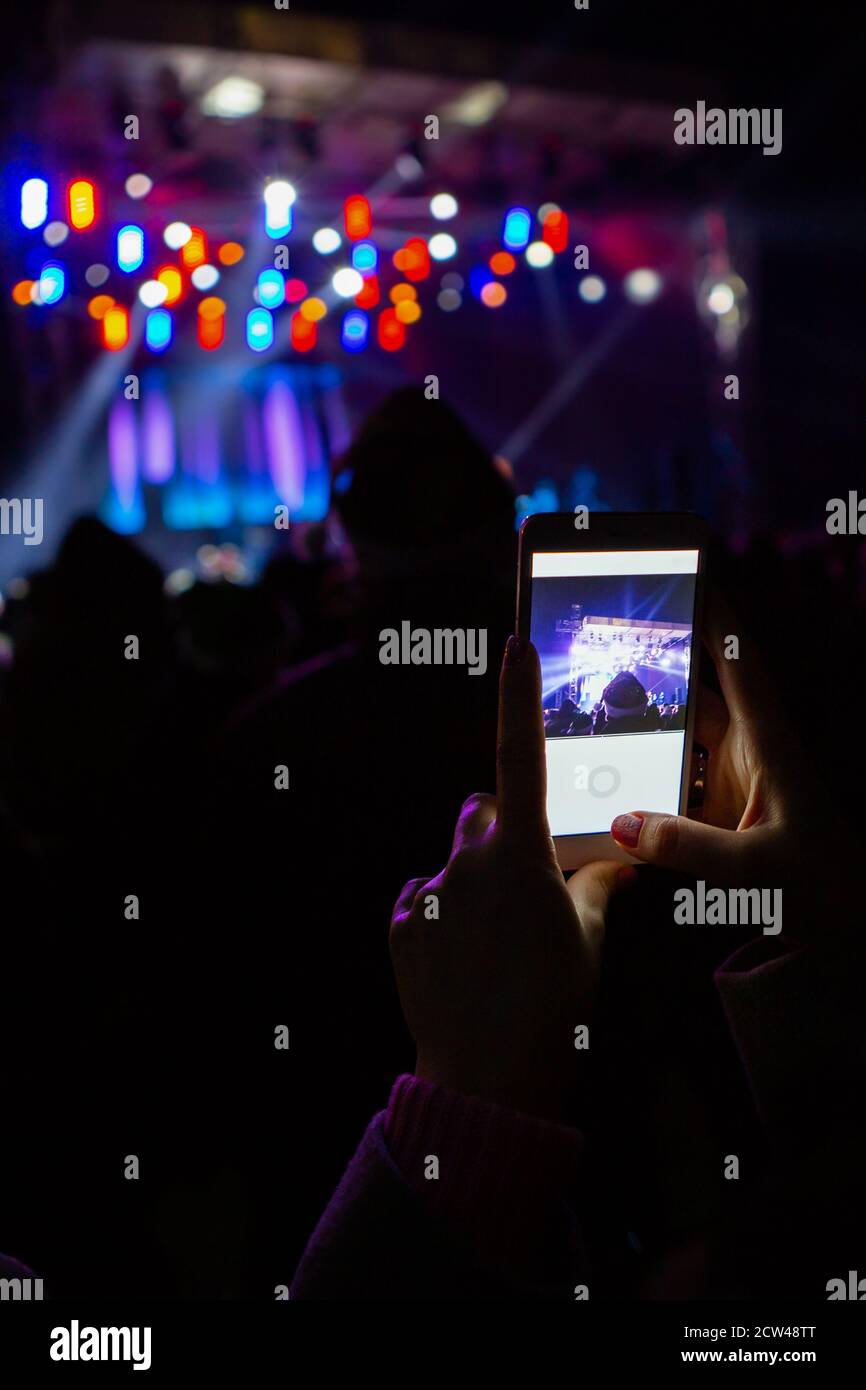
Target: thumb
[
  {"x": 689, "y": 846},
  {"x": 593, "y": 888}
]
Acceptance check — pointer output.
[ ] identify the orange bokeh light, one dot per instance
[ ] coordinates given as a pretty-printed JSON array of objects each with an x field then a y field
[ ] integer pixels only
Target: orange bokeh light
[
  {"x": 408, "y": 311},
  {"x": 230, "y": 253},
  {"x": 115, "y": 327},
  {"x": 403, "y": 291},
  {"x": 170, "y": 276},
  {"x": 313, "y": 309},
  {"x": 493, "y": 294},
  {"x": 99, "y": 306}
]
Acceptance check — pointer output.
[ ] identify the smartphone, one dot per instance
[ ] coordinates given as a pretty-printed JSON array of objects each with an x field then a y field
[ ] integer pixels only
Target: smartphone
[{"x": 613, "y": 611}]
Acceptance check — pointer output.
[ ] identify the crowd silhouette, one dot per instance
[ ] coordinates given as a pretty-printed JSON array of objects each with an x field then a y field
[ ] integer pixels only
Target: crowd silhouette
[{"x": 169, "y": 905}]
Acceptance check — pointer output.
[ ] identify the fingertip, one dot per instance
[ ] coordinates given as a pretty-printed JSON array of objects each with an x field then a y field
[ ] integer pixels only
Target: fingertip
[{"x": 626, "y": 829}]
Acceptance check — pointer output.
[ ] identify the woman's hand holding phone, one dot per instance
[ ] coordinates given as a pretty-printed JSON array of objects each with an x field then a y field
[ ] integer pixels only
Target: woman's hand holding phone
[
  {"x": 497, "y": 958},
  {"x": 765, "y": 821}
]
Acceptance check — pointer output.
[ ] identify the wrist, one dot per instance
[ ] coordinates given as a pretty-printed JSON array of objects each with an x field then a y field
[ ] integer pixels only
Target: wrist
[{"x": 550, "y": 1097}]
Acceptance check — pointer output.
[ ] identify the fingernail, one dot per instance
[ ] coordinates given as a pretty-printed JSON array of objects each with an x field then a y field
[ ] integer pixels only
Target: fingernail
[
  {"x": 515, "y": 650},
  {"x": 626, "y": 829}
]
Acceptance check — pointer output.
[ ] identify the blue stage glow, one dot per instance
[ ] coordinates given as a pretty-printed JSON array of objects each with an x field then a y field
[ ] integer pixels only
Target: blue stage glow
[
  {"x": 365, "y": 257},
  {"x": 516, "y": 228},
  {"x": 34, "y": 202},
  {"x": 52, "y": 282},
  {"x": 272, "y": 289},
  {"x": 479, "y": 276},
  {"x": 260, "y": 329},
  {"x": 158, "y": 330},
  {"x": 130, "y": 248},
  {"x": 355, "y": 331}
]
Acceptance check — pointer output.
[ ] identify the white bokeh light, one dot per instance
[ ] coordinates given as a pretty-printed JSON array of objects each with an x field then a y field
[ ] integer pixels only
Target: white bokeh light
[{"x": 347, "y": 283}]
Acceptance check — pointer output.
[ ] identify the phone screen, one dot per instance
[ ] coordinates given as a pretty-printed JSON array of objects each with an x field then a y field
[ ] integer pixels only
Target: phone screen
[{"x": 613, "y": 629}]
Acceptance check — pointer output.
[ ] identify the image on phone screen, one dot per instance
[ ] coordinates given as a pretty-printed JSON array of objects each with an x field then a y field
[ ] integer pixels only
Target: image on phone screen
[{"x": 613, "y": 630}]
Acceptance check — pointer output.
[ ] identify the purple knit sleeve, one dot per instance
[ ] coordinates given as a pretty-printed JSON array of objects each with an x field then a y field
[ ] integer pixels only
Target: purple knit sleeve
[{"x": 495, "y": 1178}]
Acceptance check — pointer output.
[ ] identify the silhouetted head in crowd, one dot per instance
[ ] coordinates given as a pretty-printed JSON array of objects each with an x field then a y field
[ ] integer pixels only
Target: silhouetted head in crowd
[
  {"x": 416, "y": 491},
  {"x": 624, "y": 697},
  {"x": 568, "y": 708},
  {"x": 100, "y": 589}
]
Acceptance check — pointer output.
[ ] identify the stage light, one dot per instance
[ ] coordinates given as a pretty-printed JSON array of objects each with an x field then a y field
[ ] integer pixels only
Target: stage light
[
  {"x": 296, "y": 290},
  {"x": 347, "y": 283},
  {"x": 538, "y": 255},
  {"x": 230, "y": 253},
  {"x": 402, "y": 291},
  {"x": 55, "y": 233},
  {"x": 52, "y": 283},
  {"x": 449, "y": 300},
  {"x": 157, "y": 330},
  {"x": 502, "y": 263},
  {"x": 390, "y": 331},
  {"x": 369, "y": 296},
  {"x": 304, "y": 333},
  {"x": 545, "y": 210},
  {"x": 478, "y": 104},
  {"x": 211, "y": 331},
  {"x": 443, "y": 206},
  {"x": 313, "y": 309},
  {"x": 81, "y": 202},
  {"x": 170, "y": 276},
  {"x": 592, "y": 289},
  {"x": 211, "y": 309},
  {"x": 279, "y": 197},
  {"x": 138, "y": 186},
  {"x": 365, "y": 257},
  {"x": 357, "y": 217},
  {"x": 413, "y": 259},
  {"x": 99, "y": 305},
  {"x": 408, "y": 311},
  {"x": 232, "y": 98},
  {"x": 179, "y": 581},
  {"x": 642, "y": 286},
  {"x": 115, "y": 327},
  {"x": 272, "y": 289},
  {"x": 176, "y": 235},
  {"x": 442, "y": 246},
  {"x": 452, "y": 281},
  {"x": 22, "y": 292},
  {"x": 130, "y": 248},
  {"x": 34, "y": 203},
  {"x": 204, "y": 277},
  {"x": 96, "y": 275},
  {"x": 516, "y": 227},
  {"x": 479, "y": 276},
  {"x": 153, "y": 293},
  {"x": 408, "y": 167},
  {"x": 260, "y": 329},
  {"x": 494, "y": 294},
  {"x": 555, "y": 231},
  {"x": 721, "y": 299},
  {"x": 194, "y": 250},
  {"x": 355, "y": 331},
  {"x": 326, "y": 240}
]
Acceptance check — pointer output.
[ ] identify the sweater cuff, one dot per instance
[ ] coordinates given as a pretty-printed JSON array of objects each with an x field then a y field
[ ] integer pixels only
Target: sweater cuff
[{"x": 496, "y": 1178}]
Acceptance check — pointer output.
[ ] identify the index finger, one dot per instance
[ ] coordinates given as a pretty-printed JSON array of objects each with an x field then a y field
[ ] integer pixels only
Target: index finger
[{"x": 521, "y": 771}]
